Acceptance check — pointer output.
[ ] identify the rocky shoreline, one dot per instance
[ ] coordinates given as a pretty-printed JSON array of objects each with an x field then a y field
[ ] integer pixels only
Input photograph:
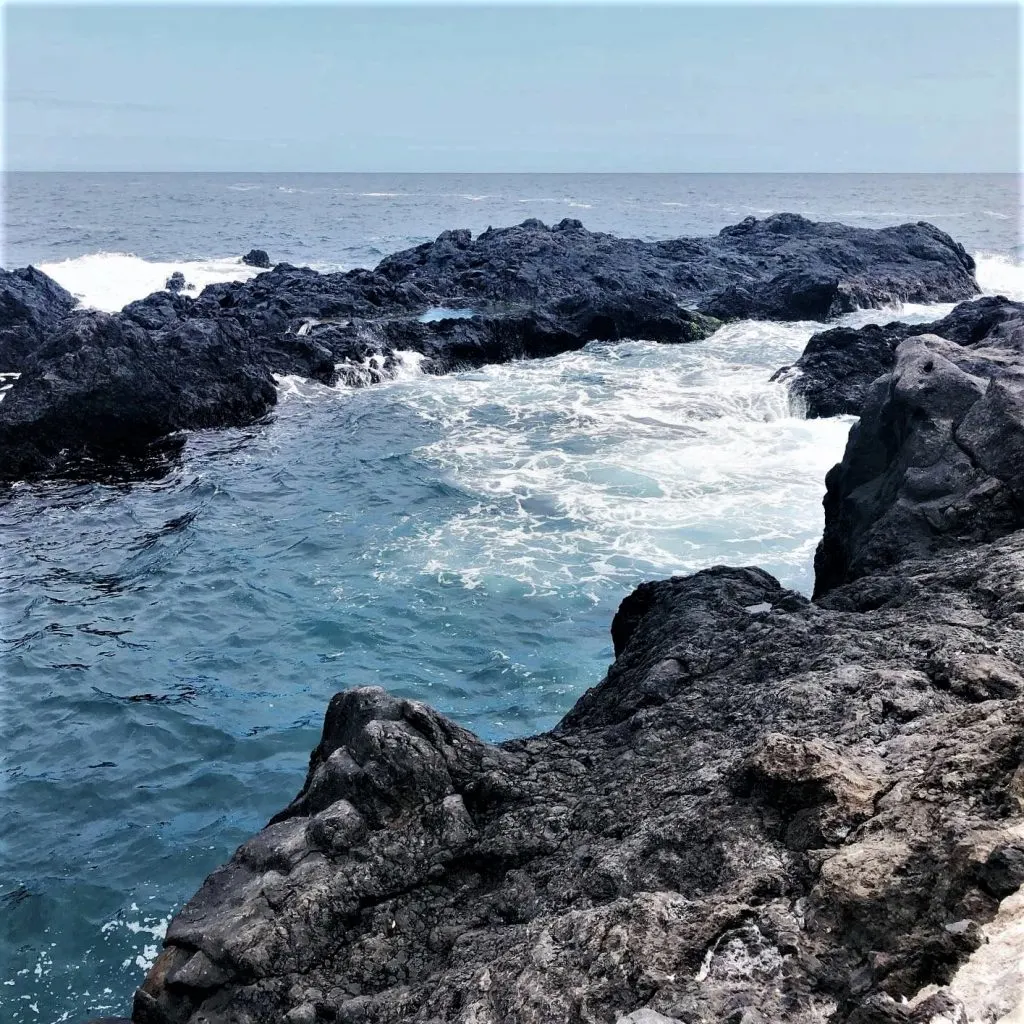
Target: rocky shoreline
[
  {"x": 103, "y": 395},
  {"x": 770, "y": 810}
]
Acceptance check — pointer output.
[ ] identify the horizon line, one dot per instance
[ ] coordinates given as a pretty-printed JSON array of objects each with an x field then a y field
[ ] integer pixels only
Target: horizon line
[{"x": 119, "y": 170}]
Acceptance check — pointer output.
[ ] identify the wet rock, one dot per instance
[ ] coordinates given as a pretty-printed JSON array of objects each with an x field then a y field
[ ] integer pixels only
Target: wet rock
[
  {"x": 257, "y": 258},
  {"x": 102, "y": 388},
  {"x": 534, "y": 291},
  {"x": 835, "y": 371},
  {"x": 176, "y": 282}
]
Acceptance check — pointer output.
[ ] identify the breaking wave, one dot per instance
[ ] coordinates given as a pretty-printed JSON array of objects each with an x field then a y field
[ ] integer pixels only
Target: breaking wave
[{"x": 110, "y": 280}]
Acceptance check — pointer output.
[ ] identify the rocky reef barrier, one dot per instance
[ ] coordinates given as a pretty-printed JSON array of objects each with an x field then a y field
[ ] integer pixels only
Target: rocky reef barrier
[
  {"x": 770, "y": 810},
  {"x": 98, "y": 391}
]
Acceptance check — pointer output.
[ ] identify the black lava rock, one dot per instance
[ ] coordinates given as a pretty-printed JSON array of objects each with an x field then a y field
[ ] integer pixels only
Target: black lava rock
[
  {"x": 535, "y": 291},
  {"x": 834, "y": 372},
  {"x": 30, "y": 305},
  {"x": 257, "y": 258}
]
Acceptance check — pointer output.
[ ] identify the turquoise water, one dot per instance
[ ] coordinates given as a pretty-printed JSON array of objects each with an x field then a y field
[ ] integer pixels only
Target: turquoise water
[{"x": 168, "y": 649}]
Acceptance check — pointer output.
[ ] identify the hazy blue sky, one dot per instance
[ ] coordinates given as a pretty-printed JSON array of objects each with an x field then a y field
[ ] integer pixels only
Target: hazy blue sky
[{"x": 473, "y": 88}]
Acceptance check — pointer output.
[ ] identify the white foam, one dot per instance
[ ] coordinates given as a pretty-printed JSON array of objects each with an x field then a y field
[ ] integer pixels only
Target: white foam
[
  {"x": 6, "y": 383},
  {"x": 291, "y": 385},
  {"x": 410, "y": 364},
  {"x": 110, "y": 280},
  {"x": 1000, "y": 275},
  {"x": 596, "y": 466}
]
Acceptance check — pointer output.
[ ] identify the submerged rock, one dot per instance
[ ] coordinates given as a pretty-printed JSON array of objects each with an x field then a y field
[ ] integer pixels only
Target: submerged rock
[
  {"x": 257, "y": 258},
  {"x": 532, "y": 290}
]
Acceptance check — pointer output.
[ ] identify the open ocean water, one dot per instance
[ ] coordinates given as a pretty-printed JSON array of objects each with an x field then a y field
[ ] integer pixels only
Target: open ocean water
[{"x": 167, "y": 649}]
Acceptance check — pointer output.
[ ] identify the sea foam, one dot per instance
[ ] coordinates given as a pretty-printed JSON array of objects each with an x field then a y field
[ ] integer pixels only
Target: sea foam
[{"x": 110, "y": 280}]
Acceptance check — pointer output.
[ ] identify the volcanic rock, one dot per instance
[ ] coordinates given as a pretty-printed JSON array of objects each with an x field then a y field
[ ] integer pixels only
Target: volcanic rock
[
  {"x": 30, "y": 305},
  {"x": 103, "y": 388},
  {"x": 936, "y": 461},
  {"x": 834, "y": 373},
  {"x": 770, "y": 810},
  {"x": 257, "y": 258},
  {"x": 782, "y": 815},
  {"x": 534, "y": 291}
]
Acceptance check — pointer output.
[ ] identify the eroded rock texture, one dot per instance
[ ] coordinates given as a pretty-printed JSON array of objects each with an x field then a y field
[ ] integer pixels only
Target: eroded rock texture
[
  {"x": 835, "y": 371},
  {"x": 771, "y": 810},
  {"x": 31, "y": 304},
  {"x": 531, "y": 291},
  {"x": 936, "y": 461},
  {"x": 768, "y": 811}
]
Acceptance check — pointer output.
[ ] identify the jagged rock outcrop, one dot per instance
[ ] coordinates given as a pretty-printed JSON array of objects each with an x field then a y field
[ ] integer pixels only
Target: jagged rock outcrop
[
  {"x": 103, "y": 388},
  {"x": 176, "y": 282},
  {"x": 534, "y": 291},
  {"x": 784, "y": 267},
  {"x": 936, "y": 461},
  {"x": 771, "y": 809},
  {"x": 30, "y": 305},
  {"x": 833, "y": 374}
]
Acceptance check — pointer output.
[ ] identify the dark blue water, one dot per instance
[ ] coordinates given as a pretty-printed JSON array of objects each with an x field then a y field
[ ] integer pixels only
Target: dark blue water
[{"x": 168, "y": 649}]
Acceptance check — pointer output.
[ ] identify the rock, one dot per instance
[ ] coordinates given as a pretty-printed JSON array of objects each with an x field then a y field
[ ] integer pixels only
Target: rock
[
  {"x": 770, "y": 810},
  {"x": 768, "y": 817},
  {"x": 837, "y": 367},
  {"x": 534, "y": 291},
  {"x": 176, "y": 282},
  {"x": 103, "y": 389},
  {"x": 782, "y": 268},
  {"x": 30, "y": 305},
  {"x": 257, "y": 258},
  {"x": 936, "y": 461}
]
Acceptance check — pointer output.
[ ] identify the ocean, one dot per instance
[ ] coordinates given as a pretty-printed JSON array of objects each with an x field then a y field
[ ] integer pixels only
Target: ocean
[{"x": 168, "y": 648}]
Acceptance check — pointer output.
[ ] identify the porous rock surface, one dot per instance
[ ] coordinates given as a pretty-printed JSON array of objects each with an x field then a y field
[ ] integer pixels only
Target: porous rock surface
[
  {"x": 936, "y": 461},
  {"x": 533, "y": 291},
  {"x": 835, "y": 371},
  {"x": 103, "y": 387},
  {"x": 771, "y": 810}
]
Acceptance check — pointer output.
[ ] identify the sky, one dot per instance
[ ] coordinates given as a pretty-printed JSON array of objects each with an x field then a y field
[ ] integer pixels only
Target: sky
[{"x": 721, "y": 88}]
